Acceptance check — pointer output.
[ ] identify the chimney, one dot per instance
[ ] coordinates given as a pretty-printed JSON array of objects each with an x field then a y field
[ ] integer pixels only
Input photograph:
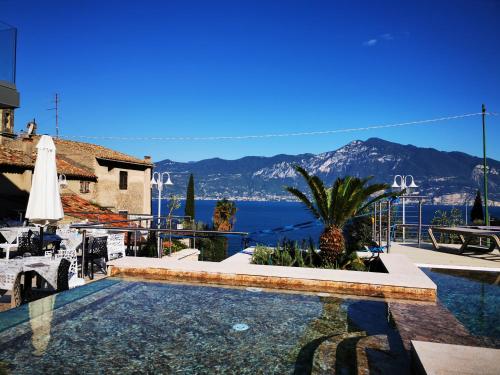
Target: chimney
[{"x": 147, "y": 159}]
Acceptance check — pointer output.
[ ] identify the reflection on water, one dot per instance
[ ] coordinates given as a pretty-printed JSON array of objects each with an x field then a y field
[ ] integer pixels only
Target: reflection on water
[
  {"x": 124, "y": 326},
  {"x": 472, "y": 296},
  {"x": 153, "y": 327},
  {"x": 40, "y": 313}
]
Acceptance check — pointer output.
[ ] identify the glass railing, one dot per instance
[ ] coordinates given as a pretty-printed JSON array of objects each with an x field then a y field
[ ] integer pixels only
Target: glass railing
[{"x": 8, "y": 38}]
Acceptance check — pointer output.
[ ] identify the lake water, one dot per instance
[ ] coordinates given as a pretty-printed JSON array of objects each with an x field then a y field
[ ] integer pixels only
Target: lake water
[{"x": 267, "y": 221}]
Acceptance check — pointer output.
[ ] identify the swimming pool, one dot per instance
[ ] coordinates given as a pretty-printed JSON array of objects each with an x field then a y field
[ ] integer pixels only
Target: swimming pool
[
  {"x": 473, "y": 297},
  {"x": 134, "y": 326},
  {"x": 126, "y": 326}
]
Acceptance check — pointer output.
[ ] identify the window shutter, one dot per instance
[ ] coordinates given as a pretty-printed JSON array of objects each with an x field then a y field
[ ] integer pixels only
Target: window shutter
[{"x": 123, "y": 180}]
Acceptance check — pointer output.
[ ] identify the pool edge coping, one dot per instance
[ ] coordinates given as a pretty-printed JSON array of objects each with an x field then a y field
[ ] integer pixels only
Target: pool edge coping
[{"x": 403, "y": 280}]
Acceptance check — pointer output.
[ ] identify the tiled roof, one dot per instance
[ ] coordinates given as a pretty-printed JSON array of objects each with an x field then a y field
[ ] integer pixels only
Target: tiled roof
[
  {"x": 82, "y": 209},
  {"x": 100, "y": 151},
  {"x": 70, "y": 170},
  {"x": 16, "y": 158}
]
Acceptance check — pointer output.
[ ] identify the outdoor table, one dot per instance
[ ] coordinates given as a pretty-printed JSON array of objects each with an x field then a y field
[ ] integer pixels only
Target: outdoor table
[
  {"x": 12, "y": 270},
  {"x": 12, "y": 233},
  {"x": 466, "y": 235}
]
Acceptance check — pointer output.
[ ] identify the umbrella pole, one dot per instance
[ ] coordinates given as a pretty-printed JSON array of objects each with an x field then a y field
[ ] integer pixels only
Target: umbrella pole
[{"x": 41, "y": 240}]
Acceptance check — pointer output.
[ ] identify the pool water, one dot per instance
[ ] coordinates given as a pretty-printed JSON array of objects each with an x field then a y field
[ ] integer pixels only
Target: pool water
[
  {"x": 473, "y": 297},
  {"x": 128, "y": 326}
]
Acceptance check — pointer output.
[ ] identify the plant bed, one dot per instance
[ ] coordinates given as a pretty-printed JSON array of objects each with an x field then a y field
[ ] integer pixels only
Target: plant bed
[{"x": 290, "y": 254}]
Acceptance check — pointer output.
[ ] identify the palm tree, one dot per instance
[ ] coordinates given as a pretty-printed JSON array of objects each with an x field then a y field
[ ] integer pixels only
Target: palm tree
[
  {"x": 224, "y": 215},
  {"x": 335, "y": 206}
]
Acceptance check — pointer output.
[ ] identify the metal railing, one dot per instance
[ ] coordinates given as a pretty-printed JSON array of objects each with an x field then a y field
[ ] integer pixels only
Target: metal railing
[{"x": 141, "y": 233}]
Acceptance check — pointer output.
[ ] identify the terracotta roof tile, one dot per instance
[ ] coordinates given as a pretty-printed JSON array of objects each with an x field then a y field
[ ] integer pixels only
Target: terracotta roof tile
[
  {"x": 71, "y": 170},
  {"x": 100, "y": 151},
  {"x": 16, "y": 158},
  {"x": 10, "y": 157},
  {"x": 80, "y": 208}
]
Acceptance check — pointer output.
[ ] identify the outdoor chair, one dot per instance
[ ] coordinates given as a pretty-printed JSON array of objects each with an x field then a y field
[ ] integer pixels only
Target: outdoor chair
[
  {"x": 71, "y": 243},
  {"x": 63, "y": 275},
  {"x": 28, "y": 243},
  {"x": 97, "y": 254},
  {"x": 381, "y": 249}
]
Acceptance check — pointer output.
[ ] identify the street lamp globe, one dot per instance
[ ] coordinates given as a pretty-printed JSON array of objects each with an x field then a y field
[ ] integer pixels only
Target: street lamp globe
[
  {"x": 153, "y": 181},
  {"x": 395, "y": 183},
  {"x": 413, "y": 184},
  {"x": 169, "y": 181}
]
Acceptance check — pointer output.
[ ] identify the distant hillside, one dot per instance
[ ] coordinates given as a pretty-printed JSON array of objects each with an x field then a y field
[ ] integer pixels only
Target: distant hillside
[{"x": 447, "y": 177}]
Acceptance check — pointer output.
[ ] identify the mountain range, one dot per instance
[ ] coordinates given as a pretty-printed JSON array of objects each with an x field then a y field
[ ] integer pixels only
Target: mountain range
[{"x": 443, "y": 177}]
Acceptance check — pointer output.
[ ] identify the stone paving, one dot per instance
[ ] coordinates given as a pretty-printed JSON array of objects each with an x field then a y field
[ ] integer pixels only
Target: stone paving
[
  {"x": 444, "y": 359},
  {"x": 447, "y": 255}
]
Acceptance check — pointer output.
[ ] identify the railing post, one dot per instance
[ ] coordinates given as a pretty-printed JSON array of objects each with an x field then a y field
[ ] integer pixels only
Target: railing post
[
  {"x": 374, "y": 224},
  {"x": 404, "y": 220},
  {"x": 170, "y": 236},
  {"x": 129, "y": 237},
  {"x": 388, "y": 226},
  {"x": 419, "y": 222},
  {"x": 135, "y": 243},
  {"x": 84, "y": 240},
  {"x": 380, "y": 224}
]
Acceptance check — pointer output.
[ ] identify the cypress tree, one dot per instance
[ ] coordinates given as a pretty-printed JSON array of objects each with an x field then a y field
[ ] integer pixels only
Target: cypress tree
[
  {"x": 476, "y": 213},
  {"x": 189, "y": 209}
]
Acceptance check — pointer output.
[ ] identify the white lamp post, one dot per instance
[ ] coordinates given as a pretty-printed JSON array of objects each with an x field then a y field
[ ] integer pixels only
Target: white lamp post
[
  {"x": 158, "y": 181},
  {"x": 403, "y": 184}
]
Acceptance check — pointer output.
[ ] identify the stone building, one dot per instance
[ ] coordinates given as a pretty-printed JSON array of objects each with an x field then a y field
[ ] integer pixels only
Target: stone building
[{"x": 104, "y": 177}]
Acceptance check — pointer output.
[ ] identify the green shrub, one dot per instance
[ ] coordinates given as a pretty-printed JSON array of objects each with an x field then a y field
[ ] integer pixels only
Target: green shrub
[
  {"x": 262, "y": 255},
  {"x": 358, "y": 233},
  {"x": 290, "y": 254},
  {"x": 173, "y": 246},
  {"x": 448, "y": 219}
]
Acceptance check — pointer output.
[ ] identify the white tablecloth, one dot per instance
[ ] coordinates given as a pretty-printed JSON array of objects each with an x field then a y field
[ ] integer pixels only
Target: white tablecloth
[
  {"x": 11, "y": 233},
  {"x": 44, "y": 266}
]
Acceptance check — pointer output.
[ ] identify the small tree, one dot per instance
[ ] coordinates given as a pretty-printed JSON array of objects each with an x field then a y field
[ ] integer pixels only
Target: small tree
[
  {"x": 476, "y": 214},
  {"x": 189, "y": 209},
  {"x": 224, "y": 215}
]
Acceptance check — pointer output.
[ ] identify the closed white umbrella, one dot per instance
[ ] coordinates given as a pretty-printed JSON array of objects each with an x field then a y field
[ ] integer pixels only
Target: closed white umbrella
[{"x": 44, "y": 204}]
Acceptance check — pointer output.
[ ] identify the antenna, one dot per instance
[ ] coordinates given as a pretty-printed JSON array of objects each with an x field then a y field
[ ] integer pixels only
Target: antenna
[{"x": 56, "y": 108}]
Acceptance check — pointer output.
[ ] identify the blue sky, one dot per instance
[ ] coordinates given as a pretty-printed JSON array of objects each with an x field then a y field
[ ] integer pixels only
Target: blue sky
[{"x": 201, "y": 68}]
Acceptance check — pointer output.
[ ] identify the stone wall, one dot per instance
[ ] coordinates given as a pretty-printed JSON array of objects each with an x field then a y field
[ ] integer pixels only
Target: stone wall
[
  {"x": 135, "y": 199},
  {"x": 15, "y": 183},
  {"x": 74, "y": 188},
  {"x": 106, "y": 192}
]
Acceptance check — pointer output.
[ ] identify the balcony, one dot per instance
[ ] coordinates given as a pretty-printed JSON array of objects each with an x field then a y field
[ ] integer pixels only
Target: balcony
[{"x": 9, "y": 96}]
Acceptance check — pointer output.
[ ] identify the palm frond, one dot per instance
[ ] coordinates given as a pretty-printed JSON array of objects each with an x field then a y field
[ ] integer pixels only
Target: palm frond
[{"x": 303, "y": 198}]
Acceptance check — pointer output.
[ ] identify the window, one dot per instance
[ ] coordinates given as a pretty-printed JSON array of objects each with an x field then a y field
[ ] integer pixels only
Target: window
[
  {"x": 123, "y": 213},
  {"x": 123, "y": 180},
  {"x": 84, "y": 187}
]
